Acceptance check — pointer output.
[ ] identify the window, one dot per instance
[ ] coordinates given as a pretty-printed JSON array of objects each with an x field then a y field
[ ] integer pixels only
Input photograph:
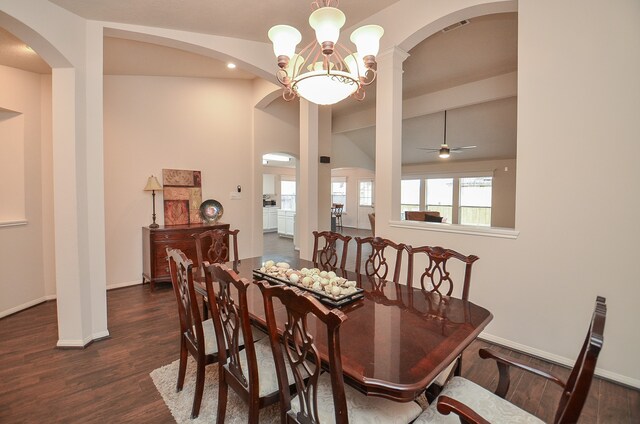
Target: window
[
  {"x": 440, "y": 197},
  {"x": 475, "y": 201},
  {"x": 339, "y": 191},
  {"x": 366, "y": 193},
  {"x": 288, "y": 195},
  {"x": 409, "y": 196}
]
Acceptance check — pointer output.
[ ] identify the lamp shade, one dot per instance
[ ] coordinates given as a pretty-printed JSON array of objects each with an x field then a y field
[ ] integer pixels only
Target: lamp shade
[
  {"x": 285, "y": 38},
  {"x": 325, "y": 89},
  {"x": 356, "y": 65},
  {"x": 152, "y": 184},
  {"x": 327, "y": 21},
  {"x": 367, "y": 39}
]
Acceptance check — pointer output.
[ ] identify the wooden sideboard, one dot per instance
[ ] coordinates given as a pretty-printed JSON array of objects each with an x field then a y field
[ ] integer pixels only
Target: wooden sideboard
[{"x": 155, "y": 268}]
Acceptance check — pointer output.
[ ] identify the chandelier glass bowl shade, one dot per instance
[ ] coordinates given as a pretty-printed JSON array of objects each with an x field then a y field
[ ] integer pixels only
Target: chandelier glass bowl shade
[{"x": 325, "y": 72}]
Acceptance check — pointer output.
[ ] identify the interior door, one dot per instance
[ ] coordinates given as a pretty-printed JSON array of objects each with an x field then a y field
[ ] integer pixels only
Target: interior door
[{"x": 365, "y": 202}]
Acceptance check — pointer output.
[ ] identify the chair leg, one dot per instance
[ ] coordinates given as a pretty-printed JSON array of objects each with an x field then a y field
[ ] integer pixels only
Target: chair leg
[
  {"x": 254, "y": 413},
  {"x": 223, "y": 390},
  {"x": 197, "y": 396},
  {"x": 183, "y": 364}
]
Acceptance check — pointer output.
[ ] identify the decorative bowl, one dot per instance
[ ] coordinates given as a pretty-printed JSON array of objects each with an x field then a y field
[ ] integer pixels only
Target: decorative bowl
[{"x": 211, "y": 211}]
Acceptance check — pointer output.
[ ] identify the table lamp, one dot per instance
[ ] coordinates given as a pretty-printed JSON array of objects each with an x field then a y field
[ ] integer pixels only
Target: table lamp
[{"x": 152, "y": 186}]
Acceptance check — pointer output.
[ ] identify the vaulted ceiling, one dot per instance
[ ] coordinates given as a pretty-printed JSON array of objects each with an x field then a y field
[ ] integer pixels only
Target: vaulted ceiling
[{"x": 485, "y": 47}]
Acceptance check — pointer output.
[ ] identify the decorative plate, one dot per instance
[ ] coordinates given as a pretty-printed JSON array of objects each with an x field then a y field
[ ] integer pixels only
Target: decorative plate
[{"x": 211, "y": 211}]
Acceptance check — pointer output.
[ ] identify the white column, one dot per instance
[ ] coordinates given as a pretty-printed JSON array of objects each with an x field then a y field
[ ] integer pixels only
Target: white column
[
  {"x": 324, "y": 170},
  {"x": 79, "y": 197},
  {"x": 307, "y": 184},
  {"x": 94, "y": 163},
  {"x": 388, "y": 137},
  {"x": 73, "y": 330}
]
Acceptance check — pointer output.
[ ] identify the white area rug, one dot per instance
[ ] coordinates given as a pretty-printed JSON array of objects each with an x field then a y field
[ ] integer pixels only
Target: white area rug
[{"x": 180, "y": 403}]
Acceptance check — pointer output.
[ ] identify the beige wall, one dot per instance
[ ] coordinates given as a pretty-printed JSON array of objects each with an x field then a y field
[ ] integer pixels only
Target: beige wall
[
  {"x": 577, "y": 88},
  {"x": 26, "y": 251},
  {"x": 503, "y": 201},
  {"x": 153, "y": 123}
]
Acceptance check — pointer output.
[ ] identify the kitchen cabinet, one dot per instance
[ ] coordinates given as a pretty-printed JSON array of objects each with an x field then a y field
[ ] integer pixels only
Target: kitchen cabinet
[
  {"x": 286, "y": 223},
  {"x": 268, "y": 184},
  {"x": 269, "y": 219}
]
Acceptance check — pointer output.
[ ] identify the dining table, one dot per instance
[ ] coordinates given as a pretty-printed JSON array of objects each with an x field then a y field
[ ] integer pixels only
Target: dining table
[{"x": 396, "y": 339}]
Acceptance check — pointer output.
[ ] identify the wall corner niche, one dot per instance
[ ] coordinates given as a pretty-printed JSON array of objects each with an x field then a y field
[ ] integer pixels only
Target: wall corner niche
[{"x": 12, "y": 168}]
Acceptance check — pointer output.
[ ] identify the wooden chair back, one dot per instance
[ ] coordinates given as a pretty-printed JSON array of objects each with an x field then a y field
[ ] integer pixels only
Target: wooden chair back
[
  {"x": 301, "y": 353},
  {"x": 436, "y": 277},
  {"x": 376, "y": 264},
  {"x": 213, "y": 246},
  {"x": 190, "y": 319},
  {"x": 327, "y": 257},
  {"x": 231, "y": 320},
  {"x": 577, "y": 387}
]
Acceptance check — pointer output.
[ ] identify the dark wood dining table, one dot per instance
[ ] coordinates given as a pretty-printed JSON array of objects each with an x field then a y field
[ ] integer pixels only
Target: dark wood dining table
[{"x": 396, "y": 339}]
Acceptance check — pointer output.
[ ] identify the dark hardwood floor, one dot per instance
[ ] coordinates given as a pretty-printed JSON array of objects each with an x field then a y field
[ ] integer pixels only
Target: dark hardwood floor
[{"x": 108, "y": 382}]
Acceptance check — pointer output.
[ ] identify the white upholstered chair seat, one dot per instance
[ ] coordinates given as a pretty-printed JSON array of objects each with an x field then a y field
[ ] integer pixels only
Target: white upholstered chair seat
[
  {"x": 491, "y": 407},
  {"x": 210, "y": 341},
  {"x": 361, "y": 409},
  {"x": 267, "y": 376}
]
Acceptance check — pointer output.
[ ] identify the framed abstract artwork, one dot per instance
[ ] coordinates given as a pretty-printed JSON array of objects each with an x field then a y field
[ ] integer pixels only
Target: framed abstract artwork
[{"x": 182, "y": 193}]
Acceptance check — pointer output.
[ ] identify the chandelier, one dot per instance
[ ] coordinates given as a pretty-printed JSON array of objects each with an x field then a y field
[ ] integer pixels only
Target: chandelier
[{"x": 325, "y": 72}]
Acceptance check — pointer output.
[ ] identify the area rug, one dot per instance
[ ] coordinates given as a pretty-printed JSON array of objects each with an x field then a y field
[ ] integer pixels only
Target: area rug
[{"x": 180, "y": 403}]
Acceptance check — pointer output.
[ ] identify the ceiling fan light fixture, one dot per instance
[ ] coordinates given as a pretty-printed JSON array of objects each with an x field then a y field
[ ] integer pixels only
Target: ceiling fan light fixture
[{"x": 445, "y": 152}]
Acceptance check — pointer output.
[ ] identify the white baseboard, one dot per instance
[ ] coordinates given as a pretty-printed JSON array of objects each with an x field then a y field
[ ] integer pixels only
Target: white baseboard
[
  {"x": 125, "y": 284},
  {"x": 26, "y": 305},
  {"x": 619, "y": 378}
]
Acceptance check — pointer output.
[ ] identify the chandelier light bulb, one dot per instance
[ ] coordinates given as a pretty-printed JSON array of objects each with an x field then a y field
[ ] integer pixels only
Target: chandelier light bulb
[
  {"x": 285, "y": 38},
  {"x": 327, "y": 21}
]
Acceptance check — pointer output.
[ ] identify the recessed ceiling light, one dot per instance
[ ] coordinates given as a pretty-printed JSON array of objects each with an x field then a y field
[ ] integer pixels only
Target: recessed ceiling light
[{"x": 231, "y": 65}]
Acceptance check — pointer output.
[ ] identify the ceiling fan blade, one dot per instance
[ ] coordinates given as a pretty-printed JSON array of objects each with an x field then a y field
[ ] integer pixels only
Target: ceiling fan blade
[
  {"x": 453, "y": 149},
  {"x": 429, "y": 149}
]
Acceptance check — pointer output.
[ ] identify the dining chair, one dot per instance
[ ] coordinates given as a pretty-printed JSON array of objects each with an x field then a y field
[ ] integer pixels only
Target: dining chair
[
  {"x": 326, "y": 257},
  {"x": 336, "y": 211},
  {"x": 474, "y": 404},
  {"x": 212, "y": 246},
  {"x": 436, "y": 277},
  {"x": 197, "y": 337},
  {"x": 376, "y": 264},
  {"x": 319, "y": 397},
  {"x": 251, "y": 371}
]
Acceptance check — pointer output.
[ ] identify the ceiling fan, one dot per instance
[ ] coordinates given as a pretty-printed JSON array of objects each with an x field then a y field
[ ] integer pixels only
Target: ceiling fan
[{"x": 444, "y": 150}]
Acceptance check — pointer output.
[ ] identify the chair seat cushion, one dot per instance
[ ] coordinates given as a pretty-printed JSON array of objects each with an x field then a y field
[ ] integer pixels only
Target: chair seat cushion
[
  {"x": 361, "y": 409},
  {"x": 491, "y": 407},
  {"x": 267, "y": 377}
]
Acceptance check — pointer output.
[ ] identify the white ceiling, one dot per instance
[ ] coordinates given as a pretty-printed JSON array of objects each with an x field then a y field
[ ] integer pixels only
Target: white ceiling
[
  {"x": 15, "y": 54},
  {"x": 247, "y": 19},
  {"x": 486, "y": 47}
]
